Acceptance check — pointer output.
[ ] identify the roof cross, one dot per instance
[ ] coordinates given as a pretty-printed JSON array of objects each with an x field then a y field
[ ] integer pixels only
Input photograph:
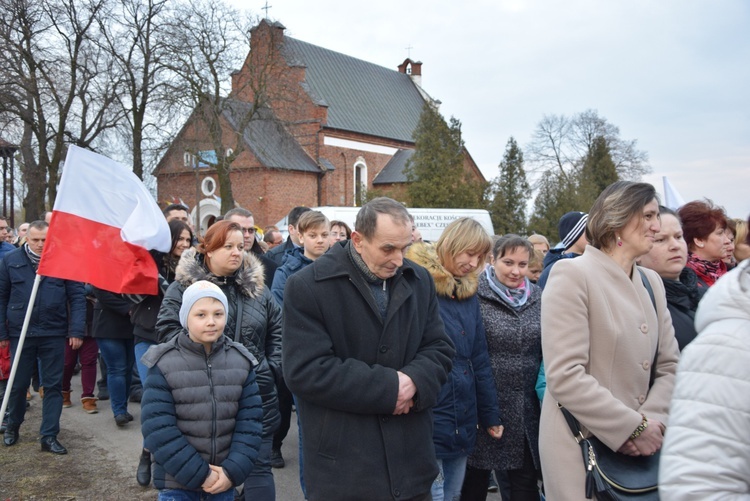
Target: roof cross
[{"x": 266, "y": 7}]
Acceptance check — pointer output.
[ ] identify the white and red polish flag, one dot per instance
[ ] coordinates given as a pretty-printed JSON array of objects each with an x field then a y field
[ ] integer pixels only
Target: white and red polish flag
[{"x": 103, "y": 223}]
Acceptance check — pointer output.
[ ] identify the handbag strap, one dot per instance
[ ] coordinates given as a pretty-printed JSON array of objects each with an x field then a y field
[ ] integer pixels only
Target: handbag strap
[
  {"x": 238, "y": 320},
  {"x": 572, "y": 421},
  {"x": 647, "y": 285}
]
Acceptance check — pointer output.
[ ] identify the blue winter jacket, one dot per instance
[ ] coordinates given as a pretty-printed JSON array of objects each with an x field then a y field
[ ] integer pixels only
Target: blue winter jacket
[
  {"x": 294, "y": 260},
  {"x": 469, "y": 397},
  {"x": 59, "y": 308},
  {"x": 5, "y": 248}
]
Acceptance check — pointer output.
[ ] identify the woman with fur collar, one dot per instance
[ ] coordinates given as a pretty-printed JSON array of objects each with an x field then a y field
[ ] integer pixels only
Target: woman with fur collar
[
  {"x": 468, "y": 398},
  {"x": 221, "y": 260}
]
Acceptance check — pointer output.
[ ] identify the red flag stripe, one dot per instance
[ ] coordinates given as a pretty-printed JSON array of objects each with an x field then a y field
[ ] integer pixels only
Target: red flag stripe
[{"x": 71, "y": 248}]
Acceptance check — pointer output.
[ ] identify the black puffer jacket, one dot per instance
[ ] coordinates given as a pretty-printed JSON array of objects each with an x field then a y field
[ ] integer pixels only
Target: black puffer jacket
[{"x": 260, "y": 329}]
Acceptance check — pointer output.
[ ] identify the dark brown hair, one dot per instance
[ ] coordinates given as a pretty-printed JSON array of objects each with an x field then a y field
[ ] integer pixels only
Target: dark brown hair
[
  {"x": 509, "y": 243},
  {"x": 367, "y": 217}
]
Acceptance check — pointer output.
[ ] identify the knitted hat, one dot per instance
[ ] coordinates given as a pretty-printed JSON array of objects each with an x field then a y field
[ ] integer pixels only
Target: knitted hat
[
  {"x": 571, "y": 227},
  {"x": 199, "y": 290}
]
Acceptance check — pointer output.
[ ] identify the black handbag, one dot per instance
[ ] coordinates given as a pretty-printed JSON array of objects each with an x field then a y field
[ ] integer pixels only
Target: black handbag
[{"x": 611, "y": 476}]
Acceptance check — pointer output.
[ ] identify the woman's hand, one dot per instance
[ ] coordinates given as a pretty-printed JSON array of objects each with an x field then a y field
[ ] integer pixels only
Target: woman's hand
[
  {"x": 496, "y": 432},
  {"x": 651, "y": 438},
  {"x": 629, "y": 449}
]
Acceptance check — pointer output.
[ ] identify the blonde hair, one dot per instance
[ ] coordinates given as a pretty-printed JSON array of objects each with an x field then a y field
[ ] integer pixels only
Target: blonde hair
[
  {"x": 740, "y": 231},
  {"x": 463, "y": 235},
  {"x": 538, "y": 239},
  {"x": 536, "y": 258},
  {"x": 311, "y": 219}
]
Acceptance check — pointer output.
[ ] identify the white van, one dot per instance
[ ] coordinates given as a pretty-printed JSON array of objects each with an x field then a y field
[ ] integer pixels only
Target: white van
[{"x": 431, "y": 222}]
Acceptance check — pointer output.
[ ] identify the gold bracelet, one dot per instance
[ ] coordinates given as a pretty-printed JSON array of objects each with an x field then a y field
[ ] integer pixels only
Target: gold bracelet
[{"x": 639, "y": 430}]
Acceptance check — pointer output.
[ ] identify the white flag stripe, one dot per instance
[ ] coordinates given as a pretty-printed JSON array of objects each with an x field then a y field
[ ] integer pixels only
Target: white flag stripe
[
  {"x": 672, "y": 198},
  {"x": 97, "y": 188}
]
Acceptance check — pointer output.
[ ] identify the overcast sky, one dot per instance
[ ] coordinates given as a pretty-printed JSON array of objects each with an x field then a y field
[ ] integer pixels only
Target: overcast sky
[{"x": 673, "y": 74}]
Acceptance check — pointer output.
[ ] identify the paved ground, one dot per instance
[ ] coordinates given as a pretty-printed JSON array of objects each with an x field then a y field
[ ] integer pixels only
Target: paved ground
[{"x": 101, "y": 459}]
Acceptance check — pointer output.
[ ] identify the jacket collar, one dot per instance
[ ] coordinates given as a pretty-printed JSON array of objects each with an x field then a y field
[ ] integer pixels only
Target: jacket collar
[
  {"x": 248, "y": 280},
  {"x": 446, "y": 284},
  {"x": 336, "y": 263}
]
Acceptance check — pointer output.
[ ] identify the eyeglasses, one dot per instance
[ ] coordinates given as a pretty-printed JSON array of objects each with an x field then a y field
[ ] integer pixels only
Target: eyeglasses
[{"x": 250, "y": 231}]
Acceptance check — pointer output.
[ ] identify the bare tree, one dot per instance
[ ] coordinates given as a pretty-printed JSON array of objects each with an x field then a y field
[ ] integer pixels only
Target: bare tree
[
  {"x": 133, "y": 35},
  {"x": 57, "y": 81},
  {"x": 205, "y": 42},
  {"x": 563, "y": 143}
]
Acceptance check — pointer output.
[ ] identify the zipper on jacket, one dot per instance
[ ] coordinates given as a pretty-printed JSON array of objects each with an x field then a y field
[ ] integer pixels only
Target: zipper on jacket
[{"x": 213, "y": 410}]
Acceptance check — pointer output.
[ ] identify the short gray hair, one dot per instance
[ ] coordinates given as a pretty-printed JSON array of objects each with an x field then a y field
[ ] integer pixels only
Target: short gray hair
[
  {"x": 238, "y": 211},
  {"x": 367, "y": 217},
  {"x": 39, "y": 225}
]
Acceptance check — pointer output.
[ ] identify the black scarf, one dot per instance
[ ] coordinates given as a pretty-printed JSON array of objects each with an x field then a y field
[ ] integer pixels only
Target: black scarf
[{"x": 684, "y": 292}]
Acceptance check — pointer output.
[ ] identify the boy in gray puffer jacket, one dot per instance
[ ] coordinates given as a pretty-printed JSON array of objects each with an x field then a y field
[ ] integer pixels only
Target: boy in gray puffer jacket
[{"x": 201, "y": 409}]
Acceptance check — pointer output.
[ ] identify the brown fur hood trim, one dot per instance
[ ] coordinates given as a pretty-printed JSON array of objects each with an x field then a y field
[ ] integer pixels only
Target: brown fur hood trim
[
  {"x": 249, "y": 279},
  {"x": 446, "y": 284}
]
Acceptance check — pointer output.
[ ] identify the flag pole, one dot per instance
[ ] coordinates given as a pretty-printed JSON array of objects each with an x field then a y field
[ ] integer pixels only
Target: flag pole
[{"x": 17, "y": 356}]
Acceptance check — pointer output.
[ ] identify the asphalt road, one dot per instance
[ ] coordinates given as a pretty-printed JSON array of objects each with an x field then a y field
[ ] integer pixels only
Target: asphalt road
[
  {"x": 94, "y": 440},
  {"x": 123, "y": 445}
]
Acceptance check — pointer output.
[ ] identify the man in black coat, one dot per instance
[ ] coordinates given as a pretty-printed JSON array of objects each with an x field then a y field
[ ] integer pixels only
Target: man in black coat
[{"x": 365, "y": 353}]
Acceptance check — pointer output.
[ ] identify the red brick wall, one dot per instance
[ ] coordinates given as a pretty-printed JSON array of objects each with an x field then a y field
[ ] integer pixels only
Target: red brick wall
[
  {"x": 339, "y": 184},
  {"x": 268, "y": 194}
]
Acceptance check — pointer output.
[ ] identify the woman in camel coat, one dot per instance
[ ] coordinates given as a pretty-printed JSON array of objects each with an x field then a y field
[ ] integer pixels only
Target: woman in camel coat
[{"x": 600, "y": 336}]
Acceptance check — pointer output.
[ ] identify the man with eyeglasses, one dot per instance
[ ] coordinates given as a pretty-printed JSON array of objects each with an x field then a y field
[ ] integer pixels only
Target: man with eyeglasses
[{"x": 245, "y": 219}]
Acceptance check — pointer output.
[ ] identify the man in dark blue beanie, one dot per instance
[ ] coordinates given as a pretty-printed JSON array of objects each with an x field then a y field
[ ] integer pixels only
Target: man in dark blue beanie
[{"x": 572, "y": 231}]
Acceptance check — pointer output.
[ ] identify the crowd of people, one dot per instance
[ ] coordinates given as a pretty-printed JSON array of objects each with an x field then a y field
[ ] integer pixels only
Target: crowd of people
[{"x": 418, "y": 370}]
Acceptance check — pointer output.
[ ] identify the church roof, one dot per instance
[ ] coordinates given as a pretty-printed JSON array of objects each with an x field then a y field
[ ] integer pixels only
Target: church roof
[
  {"x": 361, "y": 96},
  {"x": 267, "y": 138},
  {"x": 393, "y": 172}
]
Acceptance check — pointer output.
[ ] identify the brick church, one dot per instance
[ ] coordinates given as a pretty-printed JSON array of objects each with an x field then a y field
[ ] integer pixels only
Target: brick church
[{"x": 325, "y": 128}]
